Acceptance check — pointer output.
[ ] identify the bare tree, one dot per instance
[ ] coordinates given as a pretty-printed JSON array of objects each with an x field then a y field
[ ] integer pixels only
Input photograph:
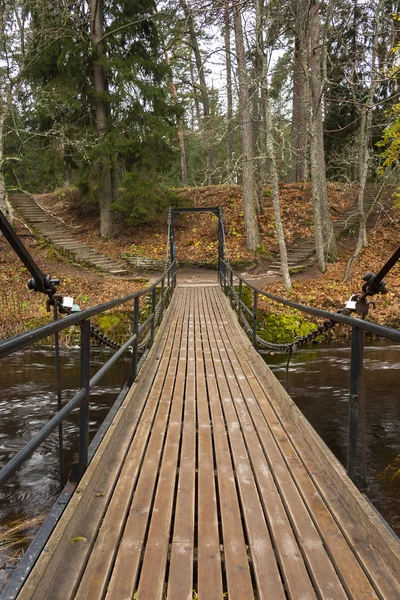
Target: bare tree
[
  {"x": 264, "y": 61},
  {"x": 299, "y": 108},
  {"x": 229, "y": 90},
  {"x": 6, "y": 89},
  {"x": 203, "y": 89},
  {"x": 249, "y": 188},
  {"x": 181, "y": 136},
  {"x": 104, "y": 170}
]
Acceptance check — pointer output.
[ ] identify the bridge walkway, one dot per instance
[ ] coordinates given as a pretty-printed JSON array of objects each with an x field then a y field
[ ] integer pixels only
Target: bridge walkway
[{"x": 210, "y": 484}]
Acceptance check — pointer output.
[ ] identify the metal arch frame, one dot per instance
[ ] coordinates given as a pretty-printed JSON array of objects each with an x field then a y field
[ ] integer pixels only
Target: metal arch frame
[{"x": 216, "y": 210}]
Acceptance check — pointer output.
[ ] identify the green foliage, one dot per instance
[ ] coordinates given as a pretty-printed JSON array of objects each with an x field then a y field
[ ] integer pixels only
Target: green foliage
[{"x": 142, "y": 199}]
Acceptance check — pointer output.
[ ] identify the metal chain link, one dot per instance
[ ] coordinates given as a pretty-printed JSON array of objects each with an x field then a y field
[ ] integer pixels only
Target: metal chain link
[
  {"x": 110, "y": 343},
  {"x": 284, "y": 347}
]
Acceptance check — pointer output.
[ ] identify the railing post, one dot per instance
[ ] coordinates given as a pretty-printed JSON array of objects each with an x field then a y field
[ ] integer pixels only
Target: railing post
[
  {"x": 59, "y": 399},
  {"x": 153, "y": 311},
  {"x": 231, "y": 286},
  {"x": 225, "y": 270},
  {"x": 356, "y": 403},
  {"x": 255, "y": 304},
  {"x": 162, "y": 300},
  {"x": 84, "y": 405},
  {"x": 240, "y": 299},
  {"x": 136, "y": 341}
]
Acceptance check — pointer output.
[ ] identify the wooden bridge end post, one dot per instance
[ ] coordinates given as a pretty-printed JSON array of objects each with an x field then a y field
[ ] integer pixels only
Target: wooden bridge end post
[
  {"x": 84, "y": 405},
  {"x": 356, "y": 402}
]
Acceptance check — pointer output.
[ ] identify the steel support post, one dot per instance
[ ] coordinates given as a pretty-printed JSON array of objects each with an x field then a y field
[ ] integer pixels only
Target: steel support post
[
  {"x": 59, "y": 399},
  {"x": 255, "y": 305},
  {"x": 162, "y": 300},
  {"x": 356, "y": 402},
  {"x": 240, "y": 299},
  {"x": 136, "y": 342},
  {"x": 84, "y": 405},
  {"x": 153, "y": 311}
]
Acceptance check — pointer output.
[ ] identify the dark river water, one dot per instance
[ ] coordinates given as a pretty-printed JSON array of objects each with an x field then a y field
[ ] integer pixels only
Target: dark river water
[
  {"x": 319, "y": 384},
  {"x": 27, "y": 402}
]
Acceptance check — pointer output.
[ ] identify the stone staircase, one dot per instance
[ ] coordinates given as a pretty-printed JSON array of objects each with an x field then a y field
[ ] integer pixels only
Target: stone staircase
[
  {"x": 301, "y": 256},
  {"x": 62, "y": 237}
]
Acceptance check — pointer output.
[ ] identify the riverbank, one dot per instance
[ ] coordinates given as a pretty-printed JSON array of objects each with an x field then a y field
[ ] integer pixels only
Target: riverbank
[{"x": 196, "y": 243}]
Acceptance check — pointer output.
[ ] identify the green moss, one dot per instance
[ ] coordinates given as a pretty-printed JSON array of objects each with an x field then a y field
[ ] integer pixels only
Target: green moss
[
  {"x": 116, "y": 325},
  {"x": 279, "y": 328}
]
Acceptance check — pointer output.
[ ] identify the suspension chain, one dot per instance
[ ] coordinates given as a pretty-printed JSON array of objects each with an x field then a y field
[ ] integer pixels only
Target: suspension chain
[
  {"x": 110, "y": 343},
  {"x": 288, "y": 346}
]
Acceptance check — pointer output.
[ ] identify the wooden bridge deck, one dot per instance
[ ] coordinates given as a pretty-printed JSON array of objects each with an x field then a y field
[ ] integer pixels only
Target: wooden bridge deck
[{"x": 210, "y": 484}]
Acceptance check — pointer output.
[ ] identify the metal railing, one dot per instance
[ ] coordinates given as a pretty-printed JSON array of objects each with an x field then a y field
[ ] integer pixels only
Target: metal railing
[
  {"x": 227, "y": 279},
  {"x": 167, "y": 283}
]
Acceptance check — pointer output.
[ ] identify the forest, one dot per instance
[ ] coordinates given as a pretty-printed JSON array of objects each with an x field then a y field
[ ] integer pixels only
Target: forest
[{"x": 129, "y": 101}]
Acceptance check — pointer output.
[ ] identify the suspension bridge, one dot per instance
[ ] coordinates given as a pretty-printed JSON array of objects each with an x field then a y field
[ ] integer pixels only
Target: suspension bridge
[{"x": 206, "y": 481}]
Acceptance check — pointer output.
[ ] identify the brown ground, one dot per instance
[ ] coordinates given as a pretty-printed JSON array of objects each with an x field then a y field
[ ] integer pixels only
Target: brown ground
[{"x": 196, "y": 241}]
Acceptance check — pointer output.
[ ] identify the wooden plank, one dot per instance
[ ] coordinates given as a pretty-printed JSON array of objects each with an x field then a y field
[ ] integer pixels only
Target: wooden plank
[
  {"x": 350, "y": 571},
  {"x": 209, "y": 573},
  {"x": 268, "y": 580},
  {"x": 152, "y": 577},
  {"x": 180, "y": 577},
  {"x": 289, "y": 553},
  {"x": 125, "y": 572},
  {"x": 43, "y": 579},
  {"x": 361, "y": 512}
]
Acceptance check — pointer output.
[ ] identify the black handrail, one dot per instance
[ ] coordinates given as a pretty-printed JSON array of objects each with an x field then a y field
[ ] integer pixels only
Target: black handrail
[
  {"x": 379, "y": 330},
  {"x": 81, "y": 399},
  {"x": 356, "y": 420}
]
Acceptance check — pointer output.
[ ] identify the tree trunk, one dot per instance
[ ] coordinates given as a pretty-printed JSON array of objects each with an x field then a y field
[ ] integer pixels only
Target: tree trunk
[
  {"x": 5, "y": 205},
  {"x": 249, "y": 188},
  {"x": 100, "y": 88},
  {"x": 275, "y": 194},
  {"x": 195, "y": 94},
  {"x": 365, "y": 135},
  {"x": 181, "y": 137},
  {"x": 299, "y": 112},
  {"x": 318, "y": 151},
  {"x": 229, "y": 93},
  {"x": 208, "y": 134},
  {"x": 5, "y": 101}
]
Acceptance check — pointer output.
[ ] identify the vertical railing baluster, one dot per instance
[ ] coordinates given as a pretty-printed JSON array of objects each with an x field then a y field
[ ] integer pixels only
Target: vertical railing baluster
[
  {"x": 59, "y": 400},
  {"x": 136, "y": 341},
  {"x": 255, "y": 305},
  {"x": 84, "y": 405},
  {"x": 231, "y": 286},
  {"x": 356, "y": 400},
  {"x": 240, "y": 300},
  {"x": 162, "y": 300},
  {"x": 153, "y": 311}
]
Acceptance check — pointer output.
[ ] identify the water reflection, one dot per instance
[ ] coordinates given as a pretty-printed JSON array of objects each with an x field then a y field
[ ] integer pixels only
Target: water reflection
[
  {"x": 319, "y": 384},
  {"x": 27, "y": 402}
]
